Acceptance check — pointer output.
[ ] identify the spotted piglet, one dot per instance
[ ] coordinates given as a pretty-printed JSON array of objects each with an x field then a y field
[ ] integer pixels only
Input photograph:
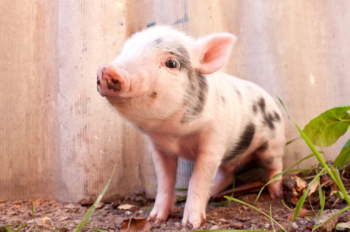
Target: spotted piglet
[{"x": 168, "y": 86}]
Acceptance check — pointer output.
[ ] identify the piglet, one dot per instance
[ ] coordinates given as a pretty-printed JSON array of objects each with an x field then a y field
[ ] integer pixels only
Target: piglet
[{"x": 168, "y": 86}]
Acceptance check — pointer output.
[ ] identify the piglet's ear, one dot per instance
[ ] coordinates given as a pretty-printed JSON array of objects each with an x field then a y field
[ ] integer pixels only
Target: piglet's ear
[{"x": 214, "y": 51}]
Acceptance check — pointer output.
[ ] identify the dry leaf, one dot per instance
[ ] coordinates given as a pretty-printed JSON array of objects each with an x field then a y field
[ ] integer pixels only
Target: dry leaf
[
  {"x": 334, "y": 188},
  {"x": 45, "y": 219},
  {"x": 302, "y": 213},
  {"x": 127, "y": 207},
  {"x": 135, "y": 225},
  {"x": 313, "y": 188},
  {"x": 17, "y": 206}
]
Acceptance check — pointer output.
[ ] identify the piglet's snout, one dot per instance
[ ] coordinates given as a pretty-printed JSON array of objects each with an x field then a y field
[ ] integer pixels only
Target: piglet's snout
[{"x": 112, "y": 80}]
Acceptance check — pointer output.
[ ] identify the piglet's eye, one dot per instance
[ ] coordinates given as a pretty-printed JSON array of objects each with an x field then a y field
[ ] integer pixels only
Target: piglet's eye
[{"x": 171, "y": 63}]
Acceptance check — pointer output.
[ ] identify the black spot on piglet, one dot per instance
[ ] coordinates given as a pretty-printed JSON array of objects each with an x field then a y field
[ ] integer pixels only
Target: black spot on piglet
[
  {"x": 268, "y": 118},
  {"x": 243, "y": 143}
]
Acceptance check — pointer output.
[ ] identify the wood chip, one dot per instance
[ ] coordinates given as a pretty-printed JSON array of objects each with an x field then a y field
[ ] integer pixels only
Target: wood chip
[
  {"x": 313, "y": 188},
  {"x": 62, "y": 219}
]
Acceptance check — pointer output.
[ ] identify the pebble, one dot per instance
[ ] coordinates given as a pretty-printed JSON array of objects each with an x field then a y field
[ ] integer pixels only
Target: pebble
[
  {"x": 115, "y": 204},
  {"x": 140, "y": 212},
  {"x": 214, "y": 227},
  {"x": 295, "y": 225},
  {"x": 177, "y": 224},
  {"x": 237, "y": 225},
  {"x": 223, "y": 220},
  {"x": 127, "y": 213}
]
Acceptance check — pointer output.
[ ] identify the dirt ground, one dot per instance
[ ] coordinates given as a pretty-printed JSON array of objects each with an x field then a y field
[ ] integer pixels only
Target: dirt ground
[{"x": 50, "y": 215}]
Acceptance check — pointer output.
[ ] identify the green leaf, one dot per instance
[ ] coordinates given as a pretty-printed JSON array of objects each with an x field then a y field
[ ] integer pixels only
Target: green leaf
[
  {"x": 308, "y": 142},
  {"x": 286, "y": 205},
  {"x": 86, "y": 217},
  {"x": 325, "y": 129},
  {"x": 339, "y": 195},
  {"x": 290, "y": 141},
  {"x": 344, "y": 156},
  {"x": 24, "y": 225},
  {"x": 340, "y": 184},
  {"x": 8, "y": 229},
  {"x": 322, "y": 196}
]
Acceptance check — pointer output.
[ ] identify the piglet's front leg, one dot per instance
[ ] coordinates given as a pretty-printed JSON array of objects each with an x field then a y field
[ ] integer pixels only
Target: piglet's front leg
[
  {"x": 205, "y": 168},
  {"x": 165, "y": 166}
]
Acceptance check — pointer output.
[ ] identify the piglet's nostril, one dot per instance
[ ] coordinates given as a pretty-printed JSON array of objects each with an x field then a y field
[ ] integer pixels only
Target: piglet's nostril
[
  {"x": 98, "y": 82},
  {"x": 115, "y": 81}
]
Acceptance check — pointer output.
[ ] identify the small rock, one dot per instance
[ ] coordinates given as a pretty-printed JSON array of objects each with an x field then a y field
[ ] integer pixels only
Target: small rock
[
  {"x": 140, "y": 212},
  {"x": 247, "y": 225},
  {"x": 215, "y": 227},
  {"x": 295, "y": 225},
  {"x": 254, "y": 221},
  {"x": 100, "y": 205},
  {"x": 115, "y": 204},
  {"x": 280, "y": 212},
  {"x": 244, "y": 219},
  {"x": 140, "y": 199},
  {"x": 163, "y": 225},
  {"x": 177, "y": 224},
  {"x": 237, "y": 225},
  {"x": 17, "y": 206},
  {"x": 127, "y": 213},
  {"x": 155, "y": 225},
  {"x": 223, "y": 221},
  {"x": 260, "y": 225}
]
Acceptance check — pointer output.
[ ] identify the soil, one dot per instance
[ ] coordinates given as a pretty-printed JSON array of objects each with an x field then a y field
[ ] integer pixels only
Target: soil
[{"x": 50, "y": 215}]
